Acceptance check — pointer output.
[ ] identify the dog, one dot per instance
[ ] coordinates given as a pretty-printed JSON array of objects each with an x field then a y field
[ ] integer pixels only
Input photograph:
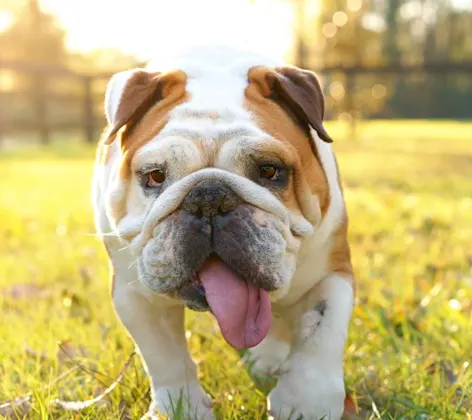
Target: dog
[{"x": 215, "y": 188}]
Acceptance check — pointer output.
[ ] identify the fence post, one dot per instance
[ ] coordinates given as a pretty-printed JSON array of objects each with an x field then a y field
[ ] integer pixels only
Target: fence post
[
  {"x": 350, "y": 104},
  {"x": 39, "y": 95},
  {"x": 89, "y": 121}
]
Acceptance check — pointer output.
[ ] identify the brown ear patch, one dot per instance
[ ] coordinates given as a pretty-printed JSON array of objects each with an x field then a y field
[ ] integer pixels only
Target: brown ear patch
[
  {"x": 274, "y": 120},
  {"x": 143, "y": 90},
  {"x": 144, "y": 109},
  {"x": 297, "y": 91}
]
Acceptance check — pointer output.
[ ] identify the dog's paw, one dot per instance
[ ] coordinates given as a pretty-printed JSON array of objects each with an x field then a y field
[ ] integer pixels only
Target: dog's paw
[
  {"x": 307, "y": 395},
  {"x": 188, "y": 401}
]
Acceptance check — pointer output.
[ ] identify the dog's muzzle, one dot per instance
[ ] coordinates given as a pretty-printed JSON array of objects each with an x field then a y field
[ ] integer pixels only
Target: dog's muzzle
[
  {"x": 206, "y": 201},
  {"x": 222, "y": 248},
  {"x": 209, "y": 199},
  {"x": 235, "y": 301}
]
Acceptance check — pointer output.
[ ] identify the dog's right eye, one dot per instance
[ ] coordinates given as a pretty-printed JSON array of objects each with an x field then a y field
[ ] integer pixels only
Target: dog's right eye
[
  {"x": 155, "y": 178},
  {"x": 269, "y": 172}
]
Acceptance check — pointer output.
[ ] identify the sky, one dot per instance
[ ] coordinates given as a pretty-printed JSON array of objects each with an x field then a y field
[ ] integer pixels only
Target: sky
[{"x": 151, "y": 28}]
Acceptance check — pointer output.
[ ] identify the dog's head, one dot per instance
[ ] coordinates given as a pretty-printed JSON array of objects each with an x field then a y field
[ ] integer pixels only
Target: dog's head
[{"x": 216, "y": 181}]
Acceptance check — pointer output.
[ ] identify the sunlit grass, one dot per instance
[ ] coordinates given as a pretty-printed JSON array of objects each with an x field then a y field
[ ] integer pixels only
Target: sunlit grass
[{"x": 409, "y": 193}]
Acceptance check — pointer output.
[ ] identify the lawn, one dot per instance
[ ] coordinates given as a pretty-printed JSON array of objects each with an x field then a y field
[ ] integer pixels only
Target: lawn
[{"x": 408, "y": 187}]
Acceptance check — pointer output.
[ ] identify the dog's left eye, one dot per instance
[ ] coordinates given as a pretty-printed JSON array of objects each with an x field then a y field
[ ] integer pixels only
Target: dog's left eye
[
  {"x": 155, "y": 178},
  {"x": 269, "y": 172}
]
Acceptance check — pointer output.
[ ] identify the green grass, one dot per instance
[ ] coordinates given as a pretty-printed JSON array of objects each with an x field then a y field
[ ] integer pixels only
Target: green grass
[{"x": 409, "y": 193}]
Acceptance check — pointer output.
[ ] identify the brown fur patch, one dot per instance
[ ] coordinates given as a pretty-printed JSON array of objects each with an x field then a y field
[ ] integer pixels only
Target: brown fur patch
[
  {"x": 143, "y": 113},
  {"x": 340, "y": 256},
  {"x": 148, "y": 128},
  {"x": 274, "y": 120},
  {"x": 135, "y": 134},
  {"x": 299, "y": 92},
  {"x": 278, "y": 121}
]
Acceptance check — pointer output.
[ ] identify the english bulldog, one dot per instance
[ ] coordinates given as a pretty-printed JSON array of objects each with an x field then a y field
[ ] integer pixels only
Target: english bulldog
[{"x": 215, "y": 188}]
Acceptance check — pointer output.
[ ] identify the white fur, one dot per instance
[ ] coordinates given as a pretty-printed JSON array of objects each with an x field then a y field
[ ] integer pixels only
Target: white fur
[
  {"x": 312, "y": 375},
  {"x": 197, "y": 60},
  {"x": 313, "y": 258},
  {"x": 333, "y": 217},
  {"x": 312, "y": 380},
  {"x": 267, "y": 357},
  {"x": 172, "y": 197},
  {"x": 157, "y": 327}
]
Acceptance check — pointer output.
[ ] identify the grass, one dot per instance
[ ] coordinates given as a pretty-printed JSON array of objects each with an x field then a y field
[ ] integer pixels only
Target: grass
[{"x": 408, "y": 190}]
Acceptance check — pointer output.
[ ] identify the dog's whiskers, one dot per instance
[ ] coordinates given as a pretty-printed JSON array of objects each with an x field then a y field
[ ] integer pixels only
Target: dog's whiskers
[
  {"x": 133, "y": 282},
  {"x": 125, "y": 247},
  {"x": 134, "y": 262},
  {"x": 107, "y": 234}
]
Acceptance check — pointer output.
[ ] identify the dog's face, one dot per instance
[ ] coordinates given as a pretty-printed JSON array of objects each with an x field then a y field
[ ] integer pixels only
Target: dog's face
[{"x": 216, "y": 177}]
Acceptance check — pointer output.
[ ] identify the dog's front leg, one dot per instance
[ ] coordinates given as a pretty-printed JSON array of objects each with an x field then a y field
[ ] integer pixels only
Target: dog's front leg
[
  {"x": 157, "y": 327},
  {"x": 311, "y": 385}
]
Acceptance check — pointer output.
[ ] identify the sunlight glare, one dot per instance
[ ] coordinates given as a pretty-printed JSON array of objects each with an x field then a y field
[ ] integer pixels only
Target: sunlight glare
[
  {"x": 6, "y": 19},
  {"x": 152, "y": 28}
]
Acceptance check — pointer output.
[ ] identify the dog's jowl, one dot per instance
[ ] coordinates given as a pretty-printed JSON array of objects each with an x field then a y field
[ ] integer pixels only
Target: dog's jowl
[{"x": 216, "y": 189}]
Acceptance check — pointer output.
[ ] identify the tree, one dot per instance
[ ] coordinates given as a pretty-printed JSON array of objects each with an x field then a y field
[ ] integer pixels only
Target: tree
[
  {"x": 34, "y": 37},
  {"x": 338, "y": 35},
  {"x": 428, "y": 32}
]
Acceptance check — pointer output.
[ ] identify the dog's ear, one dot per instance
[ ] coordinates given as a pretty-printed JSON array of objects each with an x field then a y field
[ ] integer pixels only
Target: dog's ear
[
  {"x": 299, "y": 92},
  {"x": 130, "y": 94}
]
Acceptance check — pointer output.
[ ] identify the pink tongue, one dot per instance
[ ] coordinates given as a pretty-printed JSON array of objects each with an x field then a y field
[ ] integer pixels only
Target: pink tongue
[{"x": 242, "y": 310}]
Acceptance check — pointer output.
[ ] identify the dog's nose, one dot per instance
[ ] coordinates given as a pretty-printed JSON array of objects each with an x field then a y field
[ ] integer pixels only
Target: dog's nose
[{"x": 210, "y": 198}]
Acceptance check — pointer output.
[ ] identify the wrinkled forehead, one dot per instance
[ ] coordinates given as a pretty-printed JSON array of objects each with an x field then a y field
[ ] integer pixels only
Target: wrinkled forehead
[
  {"x": 208, "y": 139},
  {"x": 213, "y": 122}
]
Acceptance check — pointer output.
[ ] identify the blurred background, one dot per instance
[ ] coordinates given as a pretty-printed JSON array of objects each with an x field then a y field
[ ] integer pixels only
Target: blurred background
[
  {"x": 397, "y": 75},
  {"x": 378, "y": 59}
]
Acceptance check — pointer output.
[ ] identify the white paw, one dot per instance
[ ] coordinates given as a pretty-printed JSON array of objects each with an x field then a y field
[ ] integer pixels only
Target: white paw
[
  {"x": 188, "y": 401},
  {"x": 308, "y": 395}
]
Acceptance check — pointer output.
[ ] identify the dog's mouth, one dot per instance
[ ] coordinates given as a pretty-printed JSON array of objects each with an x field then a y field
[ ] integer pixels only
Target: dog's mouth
[{"x": 242, "y": 309}]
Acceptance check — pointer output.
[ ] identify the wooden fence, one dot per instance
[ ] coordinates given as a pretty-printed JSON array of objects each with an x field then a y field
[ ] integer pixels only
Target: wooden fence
[
  {"x": 38, "y": 95},
  {"x": 85, "y": 93}
]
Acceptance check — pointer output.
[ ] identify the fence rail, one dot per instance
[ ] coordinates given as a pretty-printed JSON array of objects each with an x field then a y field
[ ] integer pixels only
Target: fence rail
[
  {"x": 425, "y": 68},
  {"x": 39, "y": 97},
  {"x": 85, "y": 91}
]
